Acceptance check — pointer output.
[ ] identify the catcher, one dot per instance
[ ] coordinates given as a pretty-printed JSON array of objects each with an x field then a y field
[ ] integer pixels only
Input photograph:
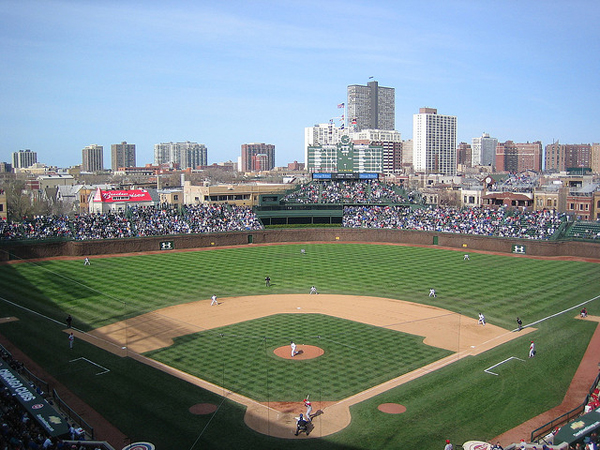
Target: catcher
[{"x": 301, "y": 425}]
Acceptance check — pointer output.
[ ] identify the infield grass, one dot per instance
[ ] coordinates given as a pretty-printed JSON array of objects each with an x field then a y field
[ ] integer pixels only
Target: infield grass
[
  {"x": 240, "y": 357},
  {"x": 460, "y": 402}
]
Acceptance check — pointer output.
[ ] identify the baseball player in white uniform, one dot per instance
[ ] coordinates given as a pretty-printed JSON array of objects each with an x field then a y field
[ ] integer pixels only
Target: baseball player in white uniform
[
  {"x": 432, "y": 292},
  {"x": 481, "y": 320},
  {"x": 293, "y": 347},
  {"x": 214, "y": 300},
  {"x": 532, "y": 349},
  {"x": 313, "y": 290}
]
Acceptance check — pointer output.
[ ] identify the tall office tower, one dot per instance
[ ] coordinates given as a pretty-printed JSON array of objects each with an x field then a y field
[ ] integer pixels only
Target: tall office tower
[
  {"x": 464, "y": 154},
  {"x": 122, "y": 155},
  {"x": 561, "y": 157},
  {"x": 518, "y": 157},
  {"x": 434, "y": 142},
  {"x": 92, "y": 158},
  {"x": 595, "y": 158},
  {"x": 407, "y": 153},
  {"x": 483, "y": 150},
  {"x": 371, "y": 106},
  {"x": 23, "y": 158},
  {"x": 185, "y": 155},
  {"x": 250, "y": 163}
]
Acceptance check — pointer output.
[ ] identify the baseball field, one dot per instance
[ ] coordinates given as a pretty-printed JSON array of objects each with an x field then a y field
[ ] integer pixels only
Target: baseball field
[{"x": 184, "y": 374}]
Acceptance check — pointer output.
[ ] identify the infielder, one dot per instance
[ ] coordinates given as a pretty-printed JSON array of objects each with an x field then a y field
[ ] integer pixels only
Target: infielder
[
  {"x": 308, "y": 405},
  {"x": 293, "y": 347},
  {"x": 313, "y": 290},
  {"x": 214, "y": 300},
  {"x": 481, "y": 320}
]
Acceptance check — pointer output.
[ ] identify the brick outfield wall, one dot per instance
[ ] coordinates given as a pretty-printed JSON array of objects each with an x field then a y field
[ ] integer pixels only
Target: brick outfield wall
[{"x": 39, "y": 249}]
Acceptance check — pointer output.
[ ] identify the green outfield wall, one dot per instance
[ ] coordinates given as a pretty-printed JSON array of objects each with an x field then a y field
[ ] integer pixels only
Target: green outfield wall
[{"x": 15, "y": 250}]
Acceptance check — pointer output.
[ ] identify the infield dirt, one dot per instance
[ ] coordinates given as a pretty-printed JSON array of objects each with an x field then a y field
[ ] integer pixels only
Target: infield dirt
[{"x": 439, "y": 327}]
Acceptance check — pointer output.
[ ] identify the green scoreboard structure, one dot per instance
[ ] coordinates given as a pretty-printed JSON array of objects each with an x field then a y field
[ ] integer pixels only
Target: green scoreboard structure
[{"x": 345, "y": 157}]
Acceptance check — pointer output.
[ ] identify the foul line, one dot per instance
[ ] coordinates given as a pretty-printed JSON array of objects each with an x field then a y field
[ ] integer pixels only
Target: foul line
[
  {"x": 560, "y": 312},
  {"x": 500, "y": 363},
  {"x": 92, "y": 362}
]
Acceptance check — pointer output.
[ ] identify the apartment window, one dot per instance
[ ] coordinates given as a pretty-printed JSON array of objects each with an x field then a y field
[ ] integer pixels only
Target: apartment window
[{"x": 572, "y": 206}]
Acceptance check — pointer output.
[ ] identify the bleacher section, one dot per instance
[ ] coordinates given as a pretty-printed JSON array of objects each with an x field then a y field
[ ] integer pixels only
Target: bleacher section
[{"x": 583, "y": 230}]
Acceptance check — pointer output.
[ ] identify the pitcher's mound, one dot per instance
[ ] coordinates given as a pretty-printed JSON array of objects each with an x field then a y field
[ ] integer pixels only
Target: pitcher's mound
[{"x": 303, "y": 352}]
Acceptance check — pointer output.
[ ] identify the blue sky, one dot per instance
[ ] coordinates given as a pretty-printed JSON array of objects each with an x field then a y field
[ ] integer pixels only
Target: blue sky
[{"x": 224, "y": 73}]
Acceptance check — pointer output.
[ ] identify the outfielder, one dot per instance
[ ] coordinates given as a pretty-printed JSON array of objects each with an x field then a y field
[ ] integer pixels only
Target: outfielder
[
  {"x": 532, "y": 349},
  {"x": 432, "y": 292}
]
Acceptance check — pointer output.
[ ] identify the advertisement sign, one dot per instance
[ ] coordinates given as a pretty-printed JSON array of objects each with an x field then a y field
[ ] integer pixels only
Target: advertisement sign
[
  {"x": 519, "y": 249},
  {"x": 35, "y": 404}
]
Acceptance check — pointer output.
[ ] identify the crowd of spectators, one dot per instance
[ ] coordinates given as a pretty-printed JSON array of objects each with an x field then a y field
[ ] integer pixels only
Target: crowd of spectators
[
  {"x": 135, "y": 222},
  {"x": 18, "y": 431},
  {"x": 522, "y": 182},
  {"x": 345, "y": 192},
  {"x": 476, "y": 220}
]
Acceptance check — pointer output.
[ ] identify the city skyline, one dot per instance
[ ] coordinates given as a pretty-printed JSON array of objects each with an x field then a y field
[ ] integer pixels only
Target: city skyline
[{"x": 226, "y": 74}]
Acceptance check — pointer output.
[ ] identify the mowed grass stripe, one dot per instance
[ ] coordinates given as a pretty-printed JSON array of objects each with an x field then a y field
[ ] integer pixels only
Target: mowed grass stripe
[{"x": 500, "y": 286}]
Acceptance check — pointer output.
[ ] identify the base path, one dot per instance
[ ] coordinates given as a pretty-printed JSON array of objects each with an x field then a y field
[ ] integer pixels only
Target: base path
[{"x": 438, "y": 327}]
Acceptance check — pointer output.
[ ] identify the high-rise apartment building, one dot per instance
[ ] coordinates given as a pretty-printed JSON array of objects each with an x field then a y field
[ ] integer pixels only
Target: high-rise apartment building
[
  {"x": 92, "y": 158},
  {"x": 561, "y": 157},
  {"x": 434, "y": 142},
  {"x": 483, "y": 150},
  {"x": 518, "y": 157},
  {"x": 184, "y": 155},
  {"x": 122, "y": 155},
  {"x": 371, "y": 107},
  {"x": 464, "y": 154},
  {"x": 23, "y": 158},
  {"x": 252, "y": 162}
]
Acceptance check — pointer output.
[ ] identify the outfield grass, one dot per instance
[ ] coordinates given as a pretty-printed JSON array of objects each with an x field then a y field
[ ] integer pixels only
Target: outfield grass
[{"x": 460, "y": 402}]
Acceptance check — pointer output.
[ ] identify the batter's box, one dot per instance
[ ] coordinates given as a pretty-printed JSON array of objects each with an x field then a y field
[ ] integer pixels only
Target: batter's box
[{"x": 489, "y": 369}]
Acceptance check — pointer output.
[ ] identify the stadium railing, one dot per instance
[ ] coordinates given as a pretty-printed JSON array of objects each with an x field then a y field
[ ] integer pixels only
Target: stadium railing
[
  {"x": 565, "y": 418},
  {"x": 72, "y": 415}
]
